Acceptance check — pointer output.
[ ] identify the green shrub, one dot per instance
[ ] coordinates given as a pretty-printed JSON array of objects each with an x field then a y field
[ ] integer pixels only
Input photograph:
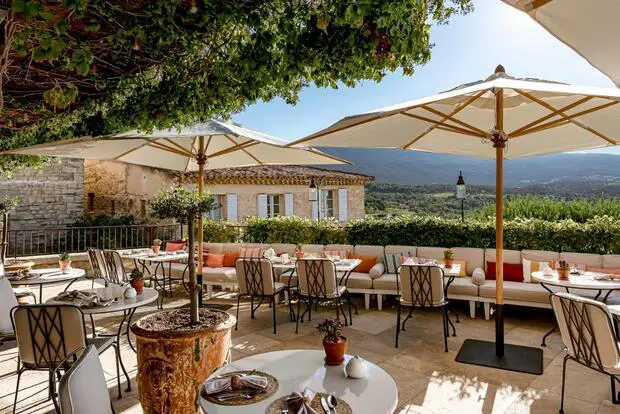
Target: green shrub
[
  {"x": 294, "y": 229},
  {"x": 216, "y": 231}
]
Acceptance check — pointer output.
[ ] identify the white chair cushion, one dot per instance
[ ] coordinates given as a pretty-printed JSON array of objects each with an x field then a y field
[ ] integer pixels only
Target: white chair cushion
[
  {"x": 358, "y": 280},
  {"x": 386, "y": 281}
]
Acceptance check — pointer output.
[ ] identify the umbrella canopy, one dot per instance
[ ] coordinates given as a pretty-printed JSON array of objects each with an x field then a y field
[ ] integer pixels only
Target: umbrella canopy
[
  {"x": 498, "y": 117},
  {"x": 590, "y": 28},
  {"x": 225, "y": 145}
]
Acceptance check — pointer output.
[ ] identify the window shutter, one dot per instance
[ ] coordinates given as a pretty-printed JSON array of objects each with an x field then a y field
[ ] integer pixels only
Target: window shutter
[
  {"x": 262, "y": 205},
  {"x": 231, "y": 207},
  {"x": 343, "y": 206},
  {"x": 315, "y": 210},
  {"x": 288, "y": 204}
]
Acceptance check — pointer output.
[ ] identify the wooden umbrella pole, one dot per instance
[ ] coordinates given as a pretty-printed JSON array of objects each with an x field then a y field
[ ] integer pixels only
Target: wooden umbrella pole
[{"x": 201, "y": 160}]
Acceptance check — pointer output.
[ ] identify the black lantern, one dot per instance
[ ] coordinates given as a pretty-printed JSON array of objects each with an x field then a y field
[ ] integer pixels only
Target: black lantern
[
  {"x": 313, "y": 196},
  {"x": 461, "y": 193}
]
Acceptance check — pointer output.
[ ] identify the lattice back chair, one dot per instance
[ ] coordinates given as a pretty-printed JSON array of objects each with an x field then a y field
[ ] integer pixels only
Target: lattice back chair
[
  {"x": 47, "y": 335},
  {"x": 96, "y": 259},
  {"x": 83, "y": 388},
  {"x": 7, "y": 302},
  {"x": 115, "y": 268},
  {"x": 257, "y": 280},
  {"x": 421, "y": 286},
  {"x": 589, "y": 336},
  {"x": 317, "y": 281}
]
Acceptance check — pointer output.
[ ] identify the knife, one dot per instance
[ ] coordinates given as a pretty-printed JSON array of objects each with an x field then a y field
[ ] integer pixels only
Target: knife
[{"x": 325, "y": 406}]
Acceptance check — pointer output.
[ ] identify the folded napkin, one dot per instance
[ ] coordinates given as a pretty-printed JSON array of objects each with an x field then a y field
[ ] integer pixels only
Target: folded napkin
[
  {"x": 20, "y": 275},
  {"x": 83, "y": 299},
  {"x": 221, "y": 384},
  {"x": 302, "y": 400}
]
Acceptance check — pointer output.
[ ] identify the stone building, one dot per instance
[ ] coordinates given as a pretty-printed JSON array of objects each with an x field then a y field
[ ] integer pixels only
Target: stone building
[{"x": 114, "y": 188}]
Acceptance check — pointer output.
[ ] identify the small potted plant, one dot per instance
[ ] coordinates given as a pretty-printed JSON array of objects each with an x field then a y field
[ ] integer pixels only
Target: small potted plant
[
  {"x": 156, "y": 245},
  {"x": 299, "y": 253},
  {"x": 448, "y": 258},
  {"x": 137, "y": 281},
  {"x": 563, "y": 270},
  {"x": 334, "y": 343},
  {"x": 64, "y": 262}
]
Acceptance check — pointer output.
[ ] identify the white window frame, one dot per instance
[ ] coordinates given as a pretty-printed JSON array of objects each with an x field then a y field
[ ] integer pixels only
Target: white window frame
[
  {"x": 217, "y": 213},
  {"x": 326, "y": 197},
  {"x": 273, "y": 205}
]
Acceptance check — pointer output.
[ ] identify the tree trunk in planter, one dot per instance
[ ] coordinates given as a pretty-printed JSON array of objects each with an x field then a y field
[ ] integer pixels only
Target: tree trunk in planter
[
  {"x": 193, "y": 288},
  {"x": 176, "y": 356}
]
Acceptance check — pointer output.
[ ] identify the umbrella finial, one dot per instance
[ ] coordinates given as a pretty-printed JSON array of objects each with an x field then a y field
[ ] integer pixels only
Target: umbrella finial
[{"x": 500, "y": 69}]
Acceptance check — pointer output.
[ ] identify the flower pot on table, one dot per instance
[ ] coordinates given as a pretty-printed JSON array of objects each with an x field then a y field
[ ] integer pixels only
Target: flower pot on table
[{"x": 334, "y": 351}]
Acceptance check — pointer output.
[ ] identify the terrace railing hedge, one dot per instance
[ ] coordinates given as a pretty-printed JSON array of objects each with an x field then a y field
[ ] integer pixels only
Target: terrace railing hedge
[{"x": 597, "y": 235}]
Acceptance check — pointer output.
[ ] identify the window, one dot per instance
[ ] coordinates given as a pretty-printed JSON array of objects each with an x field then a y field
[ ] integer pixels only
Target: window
[
  {"x": 91, "y": 201},
  {"x": 273, "y": 205},
  {"x": 327, "y": 203},
  {"x": 218, "y": 208}
]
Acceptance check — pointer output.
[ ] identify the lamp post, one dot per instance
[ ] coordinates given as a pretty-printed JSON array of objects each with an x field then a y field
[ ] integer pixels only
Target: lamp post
[
  {"x": 461, "y": 193},
  {"x": 313, "y": 197}
]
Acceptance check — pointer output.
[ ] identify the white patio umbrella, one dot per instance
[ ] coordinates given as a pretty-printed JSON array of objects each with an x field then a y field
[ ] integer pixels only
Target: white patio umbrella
[
  {"x": 498, "y": 117},
  {"x": 590, "y": 28},
  {"x": 212, "y": 144}
]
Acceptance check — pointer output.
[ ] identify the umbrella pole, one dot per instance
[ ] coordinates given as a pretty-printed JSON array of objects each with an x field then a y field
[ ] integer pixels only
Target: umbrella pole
[
  {"x": 499, "y": 143},
  {"x": 201, "y": 160}
]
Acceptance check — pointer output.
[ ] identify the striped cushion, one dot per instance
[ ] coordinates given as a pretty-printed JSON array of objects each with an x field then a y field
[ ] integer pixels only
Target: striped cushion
[{"x": 393, "y": 261}]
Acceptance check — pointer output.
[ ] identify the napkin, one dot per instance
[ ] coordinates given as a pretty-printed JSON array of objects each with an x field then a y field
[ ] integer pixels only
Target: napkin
[
  {"x": 547, "y": 271},
  {"x": 302, "y": 400},
  {"x": 83, "y": 299},
  {"x": 221, "y": 384}
]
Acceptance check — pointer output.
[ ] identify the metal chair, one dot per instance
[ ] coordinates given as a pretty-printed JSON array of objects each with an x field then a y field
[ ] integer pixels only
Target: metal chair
[
  {"x": 421, "y": 286},
  {"x": 7, "y": 302},
  {"x": 97, "y": 264},
  {"x": 589, "y": 336},
  {"x": 115, "y": 268},
  {"x": 82, "y": 389},
  {"x": 317, "y": 282},
  {"x": 257, "y": 280},
  {"x": 47, "y": 335}
]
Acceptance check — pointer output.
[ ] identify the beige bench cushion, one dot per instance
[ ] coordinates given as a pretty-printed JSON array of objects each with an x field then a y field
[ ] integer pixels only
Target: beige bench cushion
[
  {"x": 386, "y": 281},
  {"x": 284, "y": 278},
  {"x": 374, "y": 251},
  {"x": 313, "y": 248},
  {"x": 611, "y": 261},
  {"x": 474, "y": 257},
  {"x": 280, "y": 248},
  {"x": 462, "y": 286},
  {"x": 219, "y": 274},
  {"x": 593, "y": 260},
  {"x": 219, "y": 247},
  {"x": 406, "y": 250},
  {"x": 358, "y": 280},
  {"x": 540, "y": 255},
  {"x": 431, "y": 252},
  {"x": 517, "y": 291},
  {"x": 510, "y": 256}
]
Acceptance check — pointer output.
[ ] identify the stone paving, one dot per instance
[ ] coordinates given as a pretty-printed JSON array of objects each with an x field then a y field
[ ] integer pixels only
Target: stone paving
[{"x": 428, "y": 379}]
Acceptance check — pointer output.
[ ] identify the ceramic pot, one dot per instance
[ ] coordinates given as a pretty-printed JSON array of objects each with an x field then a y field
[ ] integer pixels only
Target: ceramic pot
[
  {"x": 448, "y": 263},
  {"x": 334, "y": 352},
  {"x": 356, "y": 368},
  {"x": 299, "y": 255},
  {"x": 563, "y": 274},
  {"x": 65, "y": 265},
  {"x": 138, "y": 285},
  {"x": 155, "y": 249}
]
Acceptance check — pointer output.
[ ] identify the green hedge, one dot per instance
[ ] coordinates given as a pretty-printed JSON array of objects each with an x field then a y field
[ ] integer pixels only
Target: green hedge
[{"x": 597, "y": 235}]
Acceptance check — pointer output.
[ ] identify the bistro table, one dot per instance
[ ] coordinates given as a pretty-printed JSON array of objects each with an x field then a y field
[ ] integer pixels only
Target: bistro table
[
  {"x": 163, "y": 262},
  {"x": 296, "y": 370},
  {"x": 596, "y": 282},
  {"x": 49, "y": 276}
]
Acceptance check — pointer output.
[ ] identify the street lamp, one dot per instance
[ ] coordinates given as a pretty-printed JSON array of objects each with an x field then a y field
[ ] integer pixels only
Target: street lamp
[
  {"x": 461, "y": 193},
  {"x": 313, "y": 195}
]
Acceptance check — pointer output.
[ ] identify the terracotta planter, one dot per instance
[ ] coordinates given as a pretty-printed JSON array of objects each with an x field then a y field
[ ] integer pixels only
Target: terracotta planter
[
  {"x": 64, "y": 264},
  {"x": 155, "y": 249},
  {"x": 448, "y": 263},
  {"x": 138, "y": 285},
  {"x": 173, "y": 363},
  {"x": 563, "y": 274},
  {"x": 299, "y": 255},
  {"x": 334, "y": 352}
]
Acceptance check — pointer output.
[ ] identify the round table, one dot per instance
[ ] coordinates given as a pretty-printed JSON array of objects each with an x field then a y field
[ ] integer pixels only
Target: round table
[
  {"x": 586, "y": 281},
  {"x": 298, "y": 369},
  {"x": 49, "y": 276},
  {"x": 126, "y": 305}
]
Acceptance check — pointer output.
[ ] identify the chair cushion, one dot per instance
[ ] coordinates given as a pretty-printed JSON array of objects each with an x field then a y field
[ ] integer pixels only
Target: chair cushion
[
  {"x": 462, "y": 286},
  {"x": 524, "y": 292},
  {"x": 386, "y": 281},
  {"x": 367, "y": 263},
  {"x": 512, "y": 271},
  {"x": 358, "y": 280},
  {"x": 219, "y": 274}
]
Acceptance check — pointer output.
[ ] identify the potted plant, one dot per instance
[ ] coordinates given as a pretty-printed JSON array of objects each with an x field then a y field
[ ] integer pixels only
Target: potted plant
[
  {"x": 179, "y": 348},
  {"x": 448, "y": 258},
  {"x": 6, "y": 204},
  {"x": 299, "y": 253},
  {"x": 563, "y": 270},
  {"x": 137, "y": 280},
  {"x": 334, "y": 343},
  {"x": 156, "y": 245},
  {"x": 64, "y": 262}
]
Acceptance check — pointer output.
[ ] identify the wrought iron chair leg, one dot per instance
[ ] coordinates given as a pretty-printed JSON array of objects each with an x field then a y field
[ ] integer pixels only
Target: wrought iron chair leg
[
  {"x": 252, "y": 307},
  {"x": 19, "y": 375},
  {"x": 450, "y": 323},
  {"x": 615, "y": 396},
  {"x": 120, "y": 360},
  {"x": 273, "y": 300},
  {"x": 92, "y": 323},
  {"x": 237, "y": 323},
  {"x": 566, "y": 358},
  {"x": 397, "y": 323},
  {"x": 407, "y": 318},
  {"x": 118, "y": 372},
  {"x": 52, "y": 391},
  {"x": 349, "y": 303},
  {"x": 291, "y": 313},
  {"x": 310, "y": 309},
  {"x": 297, "y": 319},
  {"x": 445, "y": 328}
]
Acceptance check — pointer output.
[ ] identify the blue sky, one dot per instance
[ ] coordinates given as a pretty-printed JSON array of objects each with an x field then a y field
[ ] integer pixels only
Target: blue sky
[{"x": 468, "y": 48}]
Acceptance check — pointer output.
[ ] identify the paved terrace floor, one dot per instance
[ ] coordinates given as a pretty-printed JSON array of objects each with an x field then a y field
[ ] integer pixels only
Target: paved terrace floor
[{"x": 428, "y": 379}]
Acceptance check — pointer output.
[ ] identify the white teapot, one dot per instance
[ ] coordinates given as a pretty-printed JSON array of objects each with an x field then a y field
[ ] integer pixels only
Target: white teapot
[
  {"x": 130, "y": 293},
  {"x": 356, "y": 368}
]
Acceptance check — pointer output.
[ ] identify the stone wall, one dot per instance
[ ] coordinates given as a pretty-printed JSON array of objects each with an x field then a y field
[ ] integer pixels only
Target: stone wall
[{"x": 49, "y": 197}]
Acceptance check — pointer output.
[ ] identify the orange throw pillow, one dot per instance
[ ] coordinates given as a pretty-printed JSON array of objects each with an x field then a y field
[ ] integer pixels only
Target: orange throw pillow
[
  {"x": 174, "y": 247},
  {"x": 230, "y": 258},
  {"x": 215, "y": 260},
  {"x": 367, "y": 263}
]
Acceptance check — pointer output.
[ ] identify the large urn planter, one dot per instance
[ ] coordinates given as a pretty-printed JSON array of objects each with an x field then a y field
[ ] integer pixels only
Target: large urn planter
[{"x": 176, "y": 357}]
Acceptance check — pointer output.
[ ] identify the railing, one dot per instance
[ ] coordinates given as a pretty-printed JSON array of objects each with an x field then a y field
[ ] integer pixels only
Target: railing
[{"x": 78, "y": 239}]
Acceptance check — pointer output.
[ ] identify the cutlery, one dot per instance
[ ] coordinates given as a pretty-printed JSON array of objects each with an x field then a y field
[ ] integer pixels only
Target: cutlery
[
  {"x": 325, "y": 406},
  {"x": 235, "y": 395},
  {"x": 332, "y": 402},
  {"x": 284, "y": 409}
]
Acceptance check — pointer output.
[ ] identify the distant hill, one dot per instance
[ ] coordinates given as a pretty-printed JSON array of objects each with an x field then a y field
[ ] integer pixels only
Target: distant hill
[{"x": 412, "y": 167}]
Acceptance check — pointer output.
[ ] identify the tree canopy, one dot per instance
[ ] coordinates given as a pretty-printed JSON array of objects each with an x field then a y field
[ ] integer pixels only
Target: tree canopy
[{"x": 71, "y": 68}]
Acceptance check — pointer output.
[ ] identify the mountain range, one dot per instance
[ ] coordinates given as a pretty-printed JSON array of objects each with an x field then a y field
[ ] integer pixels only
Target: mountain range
[{"x": 413, "y": 167}]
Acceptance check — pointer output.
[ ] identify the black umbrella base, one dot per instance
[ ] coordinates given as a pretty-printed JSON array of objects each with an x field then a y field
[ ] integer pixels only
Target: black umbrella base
[{"x": 516, "y": 357}]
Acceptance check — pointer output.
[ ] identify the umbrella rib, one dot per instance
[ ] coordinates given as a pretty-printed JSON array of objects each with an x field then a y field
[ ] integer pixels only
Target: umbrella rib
[
  {"x": 454, "y": 112},
  {"x": 179, "y": 146},
  {"x": 320, "y": 134},
  {"x": 548, "y": 116},
  {"x": 442, "y": 125},
  {"x": 455, "y": 120},
  {"x": 244, "y": 150},
  {"x": 132, "y": 150},
  {"x": 560, "y": 122},
  {"x": 563, "y": 115},
  {"x": 246, "y": 144},
  {"x": 160, "y": 146}
]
